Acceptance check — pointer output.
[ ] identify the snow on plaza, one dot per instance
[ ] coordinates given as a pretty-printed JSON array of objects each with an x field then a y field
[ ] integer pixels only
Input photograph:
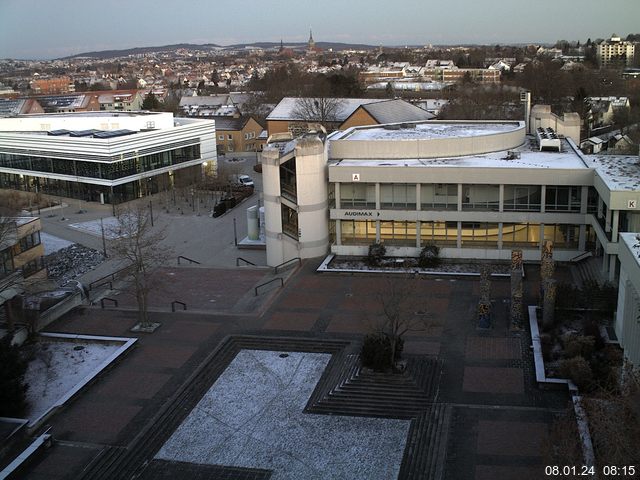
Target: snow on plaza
[
  {"x": 95, "y": 227},
  {"x": 252, "y": 417},
  {"x": 57, "y": 367}
]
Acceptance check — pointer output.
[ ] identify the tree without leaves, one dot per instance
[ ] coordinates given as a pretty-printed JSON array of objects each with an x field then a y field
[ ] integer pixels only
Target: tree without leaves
[
  {"x": 323, "y": 110},
  {"x": 139, "y": 245},
  {"x": 403, "y": 310}
]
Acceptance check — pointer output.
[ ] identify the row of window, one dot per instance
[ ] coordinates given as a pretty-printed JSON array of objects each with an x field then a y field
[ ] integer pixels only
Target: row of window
[
  {"x": 402, "y": 196},
  {"x": 470, "y": 234},
  {"x": 107, "y": 171},
  {"x": 247, "y": 136}
]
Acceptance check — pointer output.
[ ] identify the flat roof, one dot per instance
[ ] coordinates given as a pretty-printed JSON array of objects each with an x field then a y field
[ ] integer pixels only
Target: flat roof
[
  {"x": 529, "y": 157},
  {"x": 428, "y": 130},
  {"x": 618, "y": 172}
]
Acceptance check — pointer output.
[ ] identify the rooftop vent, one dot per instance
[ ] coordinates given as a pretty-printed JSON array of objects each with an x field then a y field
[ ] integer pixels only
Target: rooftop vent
[{"x": 548, "y": 139}]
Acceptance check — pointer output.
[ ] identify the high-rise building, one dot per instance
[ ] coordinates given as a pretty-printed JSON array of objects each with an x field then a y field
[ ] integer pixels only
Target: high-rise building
[{"x": 615, "y": 52}]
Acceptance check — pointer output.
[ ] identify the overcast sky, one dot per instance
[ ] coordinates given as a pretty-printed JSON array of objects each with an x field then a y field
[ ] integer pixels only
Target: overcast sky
[{"x": 55, "y": 28}]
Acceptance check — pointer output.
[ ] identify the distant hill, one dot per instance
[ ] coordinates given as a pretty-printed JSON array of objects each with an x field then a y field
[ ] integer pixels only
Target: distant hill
[
  {"x": 139, "y": 50},
  {"x": 212, "y": 46}
]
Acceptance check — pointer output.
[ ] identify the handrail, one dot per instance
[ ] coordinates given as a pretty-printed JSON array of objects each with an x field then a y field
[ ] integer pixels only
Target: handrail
[
  {"x": 173, "y": 305},
  {"x": 188, "y": 259},
  {"x": 582, "y": 256},
  {"x": 115, "y": 302},
  {"x": 111, "y": 275},
  {"x": 267, "y": 283},
  {"x": 298, "y": 259},
  {"x": 244, "y": 260},
  {"x": 108, "y": 282}
]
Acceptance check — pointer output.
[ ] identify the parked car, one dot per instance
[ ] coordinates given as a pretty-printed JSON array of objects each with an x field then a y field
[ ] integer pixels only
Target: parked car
[{"x": 245, "y": 180}]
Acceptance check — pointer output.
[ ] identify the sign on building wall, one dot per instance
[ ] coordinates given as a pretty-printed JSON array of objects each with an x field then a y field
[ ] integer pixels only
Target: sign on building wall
[
  {"x": 355, "y": 177},
  {"x": 632, "y": 204}
]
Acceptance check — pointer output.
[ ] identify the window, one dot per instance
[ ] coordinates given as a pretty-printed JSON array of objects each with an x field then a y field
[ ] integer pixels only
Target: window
[
  {"x": 562, "y": 199},
  {"x": 358, "y": 195},
  {"x": 288, "y": 187},
  {"x": 563, "y": 236},
  {"x": 6, "y": 262},
  {"x": 289, "y": 222},
  {"x": 479, "y": 234},
  {"x": 520, "y": 235},
  {"x": 522, "y": 198},
  {"x": 246, "y": 136},
  {"x": 220, "y": 137},
  {"x": 480, "y": 197},
  {"x": 357, "y": 232},
  {"x": 398, "y": 196},
  {"x": 229, "y": 137},
  {"x": 29, "y": 241},
  {"x": 439, "y": 233},
  {"x": 439, "y": 196}
]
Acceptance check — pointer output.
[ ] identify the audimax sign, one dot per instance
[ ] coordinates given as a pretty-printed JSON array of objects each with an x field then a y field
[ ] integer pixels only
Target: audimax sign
[{"x": 361, "y": 213}]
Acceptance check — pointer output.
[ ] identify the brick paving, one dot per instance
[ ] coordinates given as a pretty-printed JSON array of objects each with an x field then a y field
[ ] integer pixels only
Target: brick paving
[{"x": 481, "y": 368}]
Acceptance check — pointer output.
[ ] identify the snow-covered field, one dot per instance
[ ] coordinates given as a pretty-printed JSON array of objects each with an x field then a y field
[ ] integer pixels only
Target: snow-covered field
[
  {"x": 57, "y": 367},
  {"x": 52, "y": 243},
  {"x": 252, "y": 417}
]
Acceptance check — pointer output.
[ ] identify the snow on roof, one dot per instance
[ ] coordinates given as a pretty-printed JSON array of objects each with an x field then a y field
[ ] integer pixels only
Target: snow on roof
[
  {"x": 530, "y": 157},
  {"x": 632, "y": 240},
  {"x": 618, "y": 172},
  {"x": 285, "y": 110},
  {"x": 394, "y": 111},
  {"x": 427, "y": 131}
]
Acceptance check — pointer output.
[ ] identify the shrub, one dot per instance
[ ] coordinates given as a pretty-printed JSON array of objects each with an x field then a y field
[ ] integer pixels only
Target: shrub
[
  {"x": 578, "y": 370},
  {"x": 429, "y": 256},
  {"x": 377, "y": 251},
  {"x": 13, "y": 401},
  {"x": 575, "y": 346},
  {"x": 376, "y": 351}
]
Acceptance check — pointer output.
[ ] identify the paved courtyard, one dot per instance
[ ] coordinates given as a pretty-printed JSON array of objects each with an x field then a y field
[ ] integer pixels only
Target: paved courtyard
[{"x": 499, "y": 420}]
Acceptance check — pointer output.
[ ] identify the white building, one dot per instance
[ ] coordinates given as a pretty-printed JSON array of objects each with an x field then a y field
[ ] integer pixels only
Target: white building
[
  {"x": 100, "y": 156},
  {"x": 615, "y": 51},
  {"x": 627, "y": 325},
  {"x": 476, "y": 189}
]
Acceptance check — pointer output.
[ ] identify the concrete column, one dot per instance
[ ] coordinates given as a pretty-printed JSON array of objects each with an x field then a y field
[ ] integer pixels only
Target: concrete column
[
  {"x": 614, "y": 225},
  {"x": 459, "y": 201},
  {"x": 418, "y": 197},
  {"x": 377, "y": 231},
  {"x": 582, "y": 239},
  {"x": 378, "y": 207},
  {"x": 418, "y": 239},
  {"x": 600, "y": 206},
  {"x": 338, "y": 232},
  {"x": 607, "y": 221},
  {"x": 543, "y": 198},
  {"x": 336, "y": 192},
  {"x": 605, "y": 262},
  {"x": 584, "y": 197},
  {"x": 622, "y": 305},
  {"x": 459, "y": 239},
  {"x": 612, "y": 268},
  {"x": 501, "y": 198},
  {"x": 500, "y": 235}
]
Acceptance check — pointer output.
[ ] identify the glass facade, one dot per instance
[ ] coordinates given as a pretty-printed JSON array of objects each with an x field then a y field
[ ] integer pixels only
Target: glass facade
[
  {"x": 357, "y": 232},
  {"x": 290, "y": 221},
  {"x": 562, "y": 199},
  {"x": 439, "y": 233},
  {"x": 439, "y": 196},
  {"x": 398, "y": 196},
  {"x": 526, "y": 235},
  {"x": 399, "y": 233},
  {"x": 479, "y": 234},
  {"x": 522, "y": 198},
  {"x": 101, "y": 170},
  {"x": 481, "y": 197},
  {"x": 358, "y": 195},
  {"x": 288, "y": 185}
]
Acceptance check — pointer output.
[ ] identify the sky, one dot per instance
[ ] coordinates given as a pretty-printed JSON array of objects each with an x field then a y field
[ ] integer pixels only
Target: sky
[{"x": 45, "y": 29}]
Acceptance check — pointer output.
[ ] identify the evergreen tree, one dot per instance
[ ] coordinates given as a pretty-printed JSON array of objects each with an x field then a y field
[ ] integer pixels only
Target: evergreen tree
[{"x": 13, "y": 402}]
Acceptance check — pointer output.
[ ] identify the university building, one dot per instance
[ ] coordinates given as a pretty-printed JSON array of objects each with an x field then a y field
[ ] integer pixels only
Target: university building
[
  {"x": 477, "y": 189},
  {"x": 103, "y": 156}
]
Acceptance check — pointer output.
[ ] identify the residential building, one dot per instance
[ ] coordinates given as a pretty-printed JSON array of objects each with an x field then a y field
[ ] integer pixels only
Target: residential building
[
  {"x": 19, "y": 106},
  {"x": 237, "y": 135},
  {"x": 615, "y": 52},
  {"x": 477, "y": 189},
  {"x": 50, "y": 86},
  {"x": 289, "y": 115},
  {"x": 100, "y": 156},
  {"x": 120, "y": 100},
  {"x": 82, "y": 102},
  {"x": 21, "y": 248}
]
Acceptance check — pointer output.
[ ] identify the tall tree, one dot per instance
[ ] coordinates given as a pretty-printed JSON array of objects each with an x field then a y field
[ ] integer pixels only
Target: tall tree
[
  {"x": 138, "y": 244},
  {"x": 150, "y": 102},
  {"x": 323, "y": 110}
]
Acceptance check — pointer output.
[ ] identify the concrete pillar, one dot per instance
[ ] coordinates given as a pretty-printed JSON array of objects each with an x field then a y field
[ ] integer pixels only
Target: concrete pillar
[
  {"x": 605, "y": 262},
  {"x": 336, "y": 192},
  {"x": 600, "y": 206},
  {"x": 584, "y": 199},
  {"x": 459, "y": 237},
  {"x": 607, "y": 221},
  {"x": 418, "y": 197},
  {"x": 272, "y": 206},
  {"x": 543, "y": 198},
  {"x": 615, "y": 220},
  {"x": 418, "y": 229},
  {"x": 516, "y": 311},
  {"x": 582, "y": 239},
  {"x": 500, "y": 225},
  {"x": 501, "y": 198},
  {"x": 338, "y": 232},
  {"x": 612, "y": 267},
  {"x": 459, "y": 198},
  {"x": 377, "y": 231},
  {"x": 378, "y": 202}
]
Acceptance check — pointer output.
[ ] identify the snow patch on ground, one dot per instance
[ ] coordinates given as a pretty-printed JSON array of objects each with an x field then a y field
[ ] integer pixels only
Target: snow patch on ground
[
  {"x": 252, "y": 417},
  {"x": 52, "y": 243},
  {"x": 56, "y": 367},
  {"x": 94, "y": 227}
]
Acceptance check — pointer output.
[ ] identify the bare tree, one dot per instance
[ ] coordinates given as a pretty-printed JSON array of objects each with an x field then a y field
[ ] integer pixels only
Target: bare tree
[
  {"x": 404, "y": 310},
  {"x": 323, "y": 110},
  {"x": 139, "y": 244}
]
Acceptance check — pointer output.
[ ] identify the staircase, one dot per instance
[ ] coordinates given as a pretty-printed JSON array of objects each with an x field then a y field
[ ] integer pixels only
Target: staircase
[{"x": 587, "y": 270}]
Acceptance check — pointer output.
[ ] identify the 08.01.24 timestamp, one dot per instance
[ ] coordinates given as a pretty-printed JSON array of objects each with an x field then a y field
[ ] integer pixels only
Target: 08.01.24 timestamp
[{"x": 607, "y": 471}]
